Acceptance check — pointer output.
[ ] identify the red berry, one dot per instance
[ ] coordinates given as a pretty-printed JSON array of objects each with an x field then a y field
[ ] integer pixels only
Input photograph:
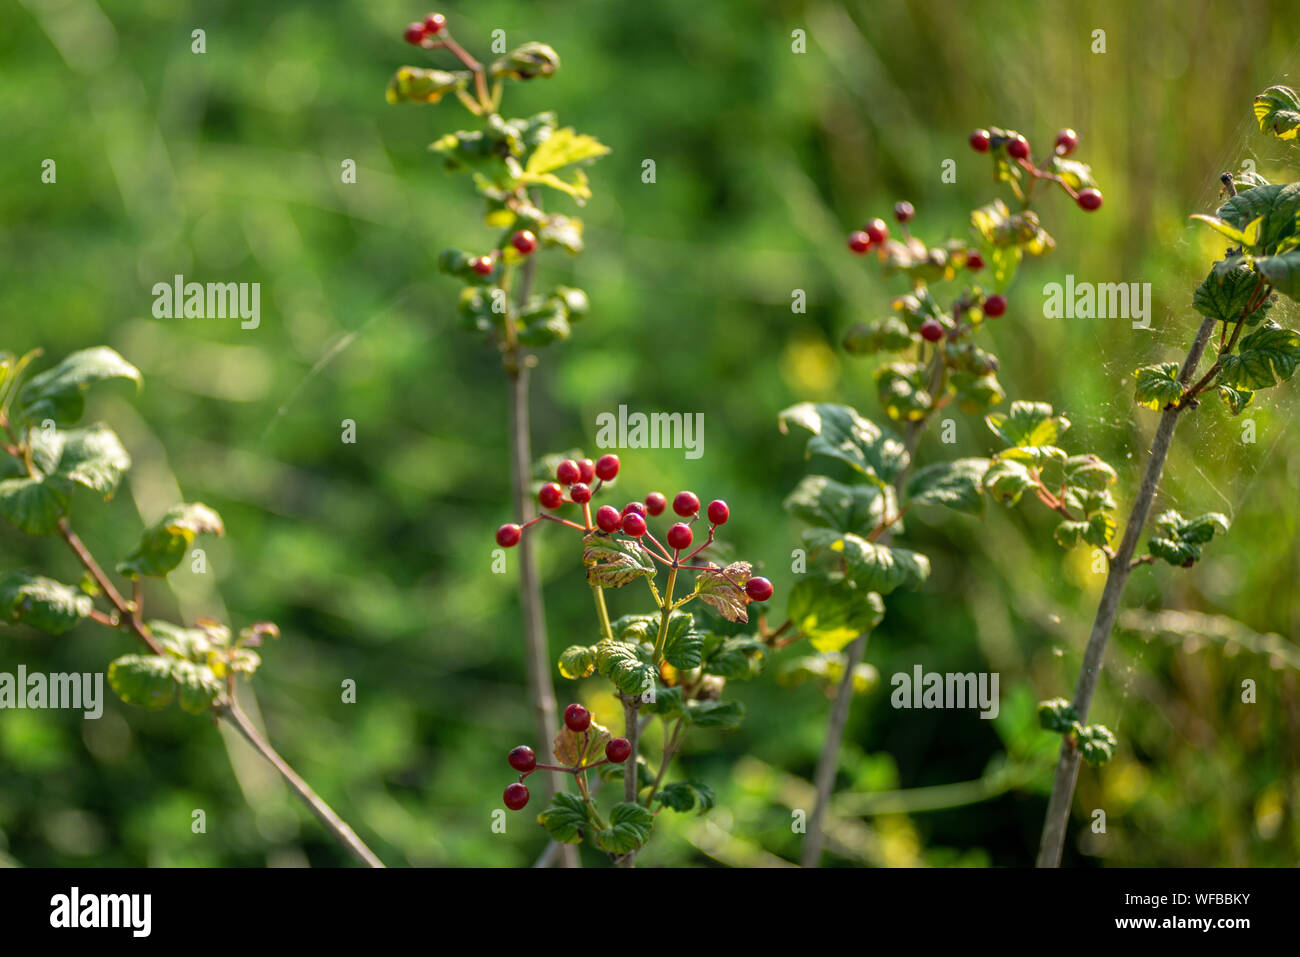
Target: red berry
[
  {"x": 434, "y": 23},
  {"x": 903, "y": 211},
  {"x": 718, "y": 512},
  {"x": 995, "y": 306},
  {"x": 568, "y": 472},
  {"x": 931, "y": 330},
  {"x": 979, "y": 141},
  {"x": 758, "y": 589},
  {"x": 414, "y": 34},
  {"x": 1089, "y": 199},
  {"x": 634, "y": 507},
  {"x": 522, "y": 759},
  {"x": 580, "y": 492},
  {"x": 607, "y": 467},
  {"x": 608, "y": 519},
  {"x": 633, "y": 524},
  {"x": 975, "y": 262},
  {"x": 859, "y": 242},
  {"x": 686, "y": 504},
  {"x": 482, "y": 265},
  {"x": 679, "y": 536},
  {"x": 551, "y": 495},
  {"x": 618, "y": 750},
  {"x": 1066, "y": 141},
  {"x": 577, "y": 718},
  {"x": 524, "y": 241},
  {"x": 1018, "y": 148},
  {"x": 877, "y": 231},
  {"x": 516, "y": 796},
  {"x": 508, "y": 535},
  {"x": 655, "y": 503},
  {"x": 586, "y": 470}
]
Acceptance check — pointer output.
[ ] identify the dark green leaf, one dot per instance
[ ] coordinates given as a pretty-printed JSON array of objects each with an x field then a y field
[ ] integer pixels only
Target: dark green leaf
[
  {"x": 726, "y": 715},
  {"x": 1008, "y": 480},
  {"x": 824, "y": 502},
  {"x": 889, "y": 334},
  {"x": 93, "y": 458},
  {"x": 832, "y": 613},
  {"x": 1225, "y": 294},
  {"x": 144, "y": 680},
  {"x": 163, "y": 544},
  {"x": 683, "y": 796},
  {"x": 566, "y": 818},
  {"x": 1283, "y": 273},
  {"x": 42, "y": 603},
  {"x": 957, "y": 485},
  {"x": 903, "y": 390},
  {"x": 1276, "y": 205},
  {"x": 34, "y": 505},
  {"x": 1158, "y": 385},
  {"x": 839, "y": 432},
  {"x": 872, "y": 567},
  {"x": 59, "y": 393},
  {"x": 683, "y": 645},
  {"x": 629, "y": 828},
  {"x": 622, "y": 664},
  {"x": 1278, "y": 111},
  {"x": 577, "y": 661},
  {"x": 1264, "y": 357}
]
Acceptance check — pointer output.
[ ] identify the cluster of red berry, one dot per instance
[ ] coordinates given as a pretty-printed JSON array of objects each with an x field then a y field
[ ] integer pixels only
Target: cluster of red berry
[
  {"x": 577, "y": 719},
  {"x": 1017, "y": 147},
  {"x": 524, "y": 242},
  {"x": 577, "y": 476},
  {"x": 425, "y": 30}
]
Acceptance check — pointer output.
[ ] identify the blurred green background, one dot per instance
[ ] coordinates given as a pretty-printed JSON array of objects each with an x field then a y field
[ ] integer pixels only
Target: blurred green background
[{"x": 374, "y": 558}]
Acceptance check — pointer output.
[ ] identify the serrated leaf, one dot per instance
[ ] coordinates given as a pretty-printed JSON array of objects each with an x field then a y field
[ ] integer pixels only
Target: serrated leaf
[
  {"x": 975, "y": 394},
  {"x": 903, "y": 390},
  {"x": 143, "y": 680},
  {"x": 723, "y": 590},
  {"x": 629, "y": 828},
  {"x": 1057, "y": 715},
  {"x": 621, "y": 664},
  {"x": 635, "y": 628},
  {"x": 163, "y": 544},
  {"x": 1100, "y": 529},
  {"x": 198, "y": 687},
  {"x": 889, "y": 334},
  {"x": 613, "y": 562},
  {"x": 1276, "y": 205},
  {"x": 42, "y": 603},
  {"x": 569, "y": 750},
  {"x": 1088, "y": 472},
  {"x": 59, "y": 393},
  {"x": 828, "y": 671},
  {"x": 824, "y": 502},
  {"x": 683, "y": 796},
  {"x": 1277, "y": 110},
  {"x": 1007, "y": 480},
  {"x": 870, "y": 566},
  {"x": 562, "y": 148},
  {"x": 683, "y": 645},
  {"x": 525, "y": 62},
  {"x": 93, "y": 458},
  {"x": 1282, "y": 272},
  {"x": 566, "y": 818},
  {"x": 577, "y": 661},
  {"x": 1157, "y": 386},
  {"x": 1263, "y": 358},
  {"x": 841, "y": 433},
  {"x": 413, "y": 84},
  {"x": 725, "y": 715},
  {"x": 1178, "y": 540},
  {"x": 1027, "y": 425},
  {"x": 1235, "y": 399},
  {"x": 957, "y": 485},
  {"x": 737, "y": 657},
  {"x": 190, "y": 644},
  {"x": 1225, "y": 293}
]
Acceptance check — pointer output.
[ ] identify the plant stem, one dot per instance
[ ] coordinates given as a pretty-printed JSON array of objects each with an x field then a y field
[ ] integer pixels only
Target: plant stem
[
  {"x": 672, "y": 743},
  {"x": 602, "y": 612},
  {"x": 631, "y": 770},
  {"x": 130, "y": 612},
  {"x": 344, "y": 834},
  {"x": 1067, "y": 765},
  {"x": 664, "y": 611},
  {"x": 828, "y": 762}
]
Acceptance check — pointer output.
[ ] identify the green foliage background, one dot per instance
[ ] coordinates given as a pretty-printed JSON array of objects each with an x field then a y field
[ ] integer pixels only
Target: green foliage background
[{"x": 374, "y": 558}]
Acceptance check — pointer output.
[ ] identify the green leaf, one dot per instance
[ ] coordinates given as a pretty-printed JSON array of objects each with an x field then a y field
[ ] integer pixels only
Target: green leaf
[
  {"x": 975, "y": 394},
  {"x": 412, "y": 84},
  {"x": 890, "y": 334},
  {"x": 1235, "y": 399},
  {"x": 1057, "y": 715},
  {"x": 1278, "y": 111},
  {"x": 525, "y": 62},
  {"x": 824, "y": 502},
  {"x": 1178, "y": 540},
  {"x": 577, "y": 661},
  {"x": 189, "y": 644},
  {"x": 903, "y": 390},
  {"x": 629, "y": 828},
  {"x": 839, "y": 432},
  {"x": 1158, "y": 385},
  {"x": 197, "y": 685},
  {"x": 623, "y": 665},
  {"x": 1076, "y": 175},
  {"x": 566, "y": 233},
  {"x": 683, "y": 645},
  {"x": 683, "y": 796},
  {"x": 562, "y": 148},
  {"x": 163, "y": 544},
  {"x": 1276, "y": 205},
  {"x": 738, "y": 657},
  {"x": 828, "y": 671},
  {"x": 59, "y": 393},
  {"x": 1097, "y": 744},
  {"x": 1225, "y": 229},
  {"x": 569, "y": 749},
  {"x": 1007, "y": 480},
  {"x": 613, "y": 562},
  {"x": 832, "y": 613},
  {"x": 1027, "y": 425},
  {"x": 1069, "y": 533},
  {"x": 32, "y": 504},
  {"x": 723, "y": 590},
  {"x": 42, "y": 603},
  {"x": 1225, "y": 293},
  {"x": 93, "y": 458},
  {"x": 143, "y": 680},
  {"x": 725, "y": 715},
  {"x": 1100, "y": 529},
  {"x": 1088, "y": 472},
  {"x": 1283, "y": 274},
  {"x": 635, "y": 628},
  {"x": 870, "y": 566},
  {"x": 1264, "y": 357},
  {"x": 957, "y": 485},
  {"x": 566, "y": 818}
]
